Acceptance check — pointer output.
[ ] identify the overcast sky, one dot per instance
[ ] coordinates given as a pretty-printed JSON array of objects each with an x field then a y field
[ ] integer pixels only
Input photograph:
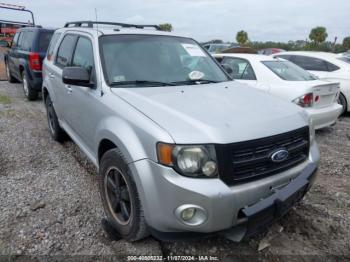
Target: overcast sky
[{"x": 276, "y": 20}]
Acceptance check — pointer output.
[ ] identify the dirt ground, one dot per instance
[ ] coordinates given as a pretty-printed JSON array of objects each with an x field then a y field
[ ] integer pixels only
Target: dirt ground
[{"x": 50, "y": 204}]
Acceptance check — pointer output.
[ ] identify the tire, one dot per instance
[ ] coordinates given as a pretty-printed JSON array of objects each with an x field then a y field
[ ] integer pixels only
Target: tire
[
  {"x": 10, "y": 78},
  {"x": 56, "y": 132},
  {"x": 29, "y": 93},
  {"x": 342, "y": 101},
  {"x": 122, "y": 196}
]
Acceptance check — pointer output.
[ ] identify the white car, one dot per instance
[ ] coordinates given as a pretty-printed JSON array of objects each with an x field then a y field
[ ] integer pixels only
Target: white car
[
  {"x": 326, "y": 66},
  {"x": 288, "y": 81}
]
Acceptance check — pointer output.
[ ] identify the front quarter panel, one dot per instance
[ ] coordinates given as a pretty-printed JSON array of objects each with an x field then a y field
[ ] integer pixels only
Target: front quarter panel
[{"x": 134, "y": 134}]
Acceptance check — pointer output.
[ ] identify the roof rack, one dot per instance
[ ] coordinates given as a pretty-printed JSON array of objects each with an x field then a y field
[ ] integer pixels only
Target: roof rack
[{"x": 92, "y": 23}]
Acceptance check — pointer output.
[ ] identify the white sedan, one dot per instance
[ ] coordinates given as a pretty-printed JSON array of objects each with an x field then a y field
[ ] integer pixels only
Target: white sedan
[
  {"x": 288, "y": 81},
  {"x": 327, "y": 66}
]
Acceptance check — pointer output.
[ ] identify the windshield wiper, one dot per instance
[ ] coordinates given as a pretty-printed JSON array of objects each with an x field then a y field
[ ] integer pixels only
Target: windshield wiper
[
  {"x": 193, "y": 82},
  {"x": 141, "y": 82}
]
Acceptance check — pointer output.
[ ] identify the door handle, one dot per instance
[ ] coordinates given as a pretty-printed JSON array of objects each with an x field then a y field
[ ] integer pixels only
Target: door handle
[
  {"x": 51, "y": 75},
  {"x": 69, "y": 89}
]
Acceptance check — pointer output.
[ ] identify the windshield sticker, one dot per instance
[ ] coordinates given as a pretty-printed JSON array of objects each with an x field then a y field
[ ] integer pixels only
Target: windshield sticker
[
  {"x": 193, "y": 50},
  {"x": 196, "y": 75}
]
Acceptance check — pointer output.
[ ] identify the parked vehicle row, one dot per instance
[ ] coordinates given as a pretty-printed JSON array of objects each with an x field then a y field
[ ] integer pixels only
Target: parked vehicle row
[
  {"x": 288, "y": 81},
  {"x": 24, "y": 60},
  {"x": 326, "y": 66}
]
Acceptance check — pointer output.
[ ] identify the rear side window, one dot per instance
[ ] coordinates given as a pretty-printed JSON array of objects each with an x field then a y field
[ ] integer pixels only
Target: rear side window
[
  {"x": 241, "y": 68},
  {"x": 64, "y": 54},
  {"x": 52, "y": 45},
  {"x": 83, "y": 54},
  {"x": 44, "y": 40}
]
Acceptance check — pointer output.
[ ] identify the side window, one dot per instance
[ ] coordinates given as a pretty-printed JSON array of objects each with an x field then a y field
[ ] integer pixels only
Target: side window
[
  {"x": 83, "y": 54},
  {"x": 19, "y": 41},
  {"x": 64, "y": 54},
  {"x": 241, "y": 68},
  {"x": 52, "y": 45},
  {"x": 15, "y": 39},
  {"x": 310, "y": 63}
]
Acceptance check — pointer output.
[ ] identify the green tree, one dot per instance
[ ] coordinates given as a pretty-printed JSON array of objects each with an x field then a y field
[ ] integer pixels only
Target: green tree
[
  {"x": 242, "y": 37},
  {"x": 346, "y": 43},
  {"x": 166, "y": 27},
  {"x": 318, "y": 35}
]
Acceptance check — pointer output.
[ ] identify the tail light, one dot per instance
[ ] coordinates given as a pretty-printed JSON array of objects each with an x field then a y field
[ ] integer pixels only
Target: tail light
[
  {"x": 305, "y": 100},
  {"x": 34, "y": 61}
]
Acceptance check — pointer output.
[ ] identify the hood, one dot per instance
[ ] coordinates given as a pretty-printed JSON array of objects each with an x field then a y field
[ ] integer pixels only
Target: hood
[{"x": 214, "y": 113}]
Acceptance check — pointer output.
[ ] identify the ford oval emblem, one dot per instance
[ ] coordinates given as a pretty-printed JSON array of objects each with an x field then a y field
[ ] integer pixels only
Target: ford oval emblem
[{"x": 280, "y": 155}]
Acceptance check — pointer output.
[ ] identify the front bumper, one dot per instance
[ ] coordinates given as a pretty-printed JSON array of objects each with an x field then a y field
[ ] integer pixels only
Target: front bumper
[
  {"x": 323, "y": 117},
  {"x": 162, "y": 191}
]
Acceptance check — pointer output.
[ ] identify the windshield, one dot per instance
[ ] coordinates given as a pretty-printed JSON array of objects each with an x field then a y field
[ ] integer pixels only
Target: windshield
[
  {"x": 289, "y": 71},
  {"x": 134, "y": 59}
]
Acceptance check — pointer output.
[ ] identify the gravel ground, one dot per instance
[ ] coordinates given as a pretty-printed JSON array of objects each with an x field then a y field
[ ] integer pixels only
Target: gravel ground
[{"x": 50, "y": 203}]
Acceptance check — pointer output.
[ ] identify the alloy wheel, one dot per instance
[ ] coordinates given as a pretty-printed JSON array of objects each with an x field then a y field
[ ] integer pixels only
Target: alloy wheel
[{"x": 118, "y": 196}]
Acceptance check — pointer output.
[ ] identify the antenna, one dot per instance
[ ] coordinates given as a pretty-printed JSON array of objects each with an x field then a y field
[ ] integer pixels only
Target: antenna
[{"x": 99, "y": 65}]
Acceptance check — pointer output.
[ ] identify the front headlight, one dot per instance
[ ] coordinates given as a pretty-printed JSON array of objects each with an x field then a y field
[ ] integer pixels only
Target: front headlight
[{"x": 194, "y": 160}]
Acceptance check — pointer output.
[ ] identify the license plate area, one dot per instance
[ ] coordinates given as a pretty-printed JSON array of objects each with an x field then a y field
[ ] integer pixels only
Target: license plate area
[{"x": 265, "y": 212}]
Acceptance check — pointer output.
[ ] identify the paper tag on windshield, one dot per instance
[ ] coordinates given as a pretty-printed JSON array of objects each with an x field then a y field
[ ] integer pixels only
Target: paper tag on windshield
[{"x": 193, "y": 50}]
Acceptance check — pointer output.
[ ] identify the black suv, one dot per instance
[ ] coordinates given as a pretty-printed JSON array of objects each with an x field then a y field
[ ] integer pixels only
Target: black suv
[{"x": 24, "y": 60}]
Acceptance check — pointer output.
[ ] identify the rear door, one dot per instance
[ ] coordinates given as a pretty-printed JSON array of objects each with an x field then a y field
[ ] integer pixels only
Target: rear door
[
  {"x": 84, "y": 113},
  {"x": 61, "y": 91}
]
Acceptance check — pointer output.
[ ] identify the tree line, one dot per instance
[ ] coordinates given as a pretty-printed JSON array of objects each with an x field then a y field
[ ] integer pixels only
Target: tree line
[{"x": 317, "y": 36}]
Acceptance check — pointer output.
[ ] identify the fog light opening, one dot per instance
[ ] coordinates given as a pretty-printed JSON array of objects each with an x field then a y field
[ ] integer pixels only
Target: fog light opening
[{"x": 191, "y": 215}]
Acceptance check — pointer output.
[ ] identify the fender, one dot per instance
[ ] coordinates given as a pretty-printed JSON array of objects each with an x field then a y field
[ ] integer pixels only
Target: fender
[{"x": 133, "y": 146}]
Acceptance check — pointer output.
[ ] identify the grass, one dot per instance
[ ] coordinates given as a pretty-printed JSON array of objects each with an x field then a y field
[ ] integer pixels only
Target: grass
[{"x": 4, "y": 99}]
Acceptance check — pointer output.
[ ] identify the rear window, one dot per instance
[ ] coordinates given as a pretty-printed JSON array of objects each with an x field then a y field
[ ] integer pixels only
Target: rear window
[
  {"x": 44, "y": 40},
  {"x": 288, "y": 71},
  {"x": 27, "y": 40}
]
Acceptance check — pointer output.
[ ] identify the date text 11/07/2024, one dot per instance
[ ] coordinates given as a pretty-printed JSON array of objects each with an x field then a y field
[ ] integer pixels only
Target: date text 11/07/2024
[{"x": 173, "y": 258}]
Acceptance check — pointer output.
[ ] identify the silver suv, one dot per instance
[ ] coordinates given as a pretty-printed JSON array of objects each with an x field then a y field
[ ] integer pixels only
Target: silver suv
[{"x": 180, "y": 147}]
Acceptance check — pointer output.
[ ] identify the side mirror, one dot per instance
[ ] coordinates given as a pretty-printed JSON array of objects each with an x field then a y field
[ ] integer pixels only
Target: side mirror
[
  {"x": 77, "y": 76},
  {"x": 227, "y": 68}
]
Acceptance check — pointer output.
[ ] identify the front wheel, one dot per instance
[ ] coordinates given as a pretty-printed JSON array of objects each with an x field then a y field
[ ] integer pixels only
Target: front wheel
[
  {"x": 342, "y": 101},
  {"x": 120, "y": 198}
]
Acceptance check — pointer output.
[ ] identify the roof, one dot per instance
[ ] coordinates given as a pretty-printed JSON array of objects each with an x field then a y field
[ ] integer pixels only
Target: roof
[
  {"x": 255, "y": 57},
  {"x": 108, "y": 28},
  {"x": 316, "y": 54}
]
